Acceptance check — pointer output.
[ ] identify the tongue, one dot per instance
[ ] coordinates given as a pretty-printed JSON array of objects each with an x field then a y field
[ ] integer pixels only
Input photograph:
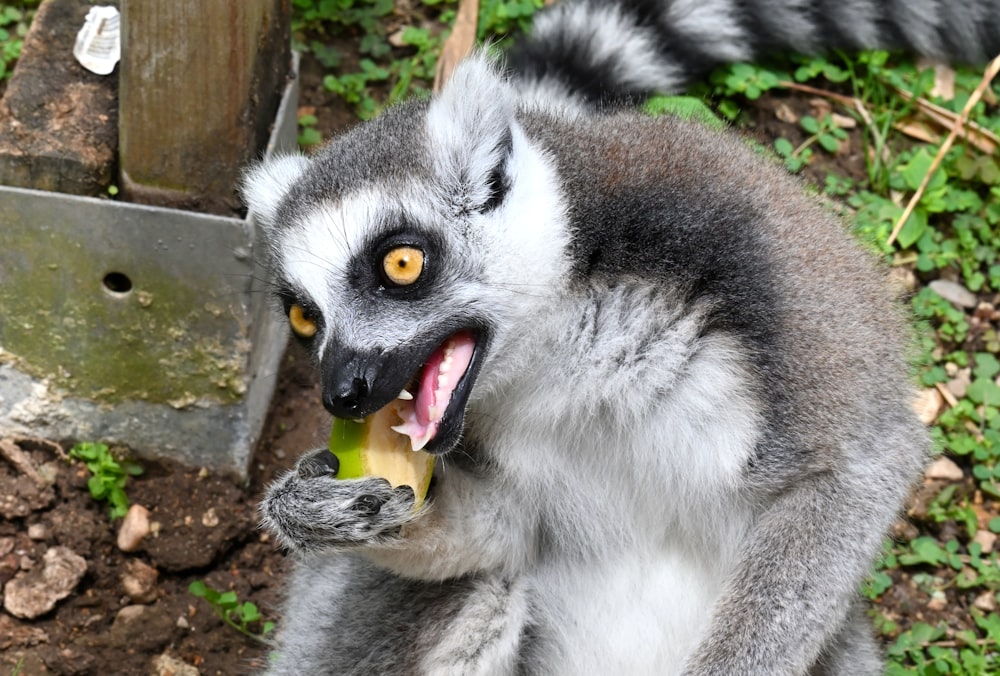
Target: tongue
[{"x": 438, "y": 379}]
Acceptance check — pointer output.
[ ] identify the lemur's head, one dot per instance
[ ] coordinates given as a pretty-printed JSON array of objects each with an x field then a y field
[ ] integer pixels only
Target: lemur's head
[{"x": 408, "y": 249}]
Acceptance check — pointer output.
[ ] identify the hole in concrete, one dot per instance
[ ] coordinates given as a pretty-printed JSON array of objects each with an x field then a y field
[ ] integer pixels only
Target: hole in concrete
[{"x": 117, "y": 283}]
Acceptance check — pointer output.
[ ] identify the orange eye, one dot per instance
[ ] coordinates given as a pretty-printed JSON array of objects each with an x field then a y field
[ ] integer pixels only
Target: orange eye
[
  {"x": 303, "y": 326},
  {"x": 402, "y": 266}
]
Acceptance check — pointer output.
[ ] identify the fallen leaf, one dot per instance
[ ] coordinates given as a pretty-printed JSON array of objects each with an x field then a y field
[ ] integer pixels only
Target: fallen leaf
[{"x": 919, "y": 130}]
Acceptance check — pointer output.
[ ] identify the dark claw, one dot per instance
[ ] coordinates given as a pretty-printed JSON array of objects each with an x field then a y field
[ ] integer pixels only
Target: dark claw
[
  {"x": 320, "y": 463},
  {"x": 368, "y": 505}
]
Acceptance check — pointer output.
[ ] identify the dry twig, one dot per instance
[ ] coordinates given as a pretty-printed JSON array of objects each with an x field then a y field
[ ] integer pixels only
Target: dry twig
[
  {"x": 974, "y": 133},
  {"x": 21, "y": 461},
  {"x": 991, "y": 72}
]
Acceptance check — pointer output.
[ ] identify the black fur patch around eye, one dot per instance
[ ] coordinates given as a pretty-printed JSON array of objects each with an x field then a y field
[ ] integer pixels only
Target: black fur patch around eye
[
  {"x": 498, "y": 182},
  {"x": 287, "y": 296},
  {"x": 365, "y": 274}
]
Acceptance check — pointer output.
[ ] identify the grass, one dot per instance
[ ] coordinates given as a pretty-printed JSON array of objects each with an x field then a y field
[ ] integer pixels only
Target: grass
[{"x": 15, "y": 17}]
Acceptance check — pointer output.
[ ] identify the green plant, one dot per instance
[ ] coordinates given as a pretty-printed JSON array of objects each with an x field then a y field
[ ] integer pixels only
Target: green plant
[
  {"x": 731, "y": 81},
  {"x": 825, "y": 132},
  {"x": 309, "y": 136},
  {"x": 108, "y": 475},
  {"x": 227, "y": 606},
  {"x": 401, "y": 65},
  {"x": 14, "y": 21}
]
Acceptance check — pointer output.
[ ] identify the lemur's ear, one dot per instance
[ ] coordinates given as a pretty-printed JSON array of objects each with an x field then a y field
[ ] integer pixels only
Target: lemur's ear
[
  {"x": 470, "y": 126},
  {"x": 266, "y": 183}
]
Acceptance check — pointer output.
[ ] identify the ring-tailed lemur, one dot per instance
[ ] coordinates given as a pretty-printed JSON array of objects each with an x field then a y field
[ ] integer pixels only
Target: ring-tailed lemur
[{"x": 676, "y": 420}]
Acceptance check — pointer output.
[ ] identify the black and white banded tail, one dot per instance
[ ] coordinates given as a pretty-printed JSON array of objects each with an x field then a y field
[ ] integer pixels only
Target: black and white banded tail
[{"x": 613, "y": 51}]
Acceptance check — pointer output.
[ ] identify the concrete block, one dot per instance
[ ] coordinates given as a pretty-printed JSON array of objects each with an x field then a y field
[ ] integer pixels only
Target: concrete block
[{"x": 139, "y": 325}]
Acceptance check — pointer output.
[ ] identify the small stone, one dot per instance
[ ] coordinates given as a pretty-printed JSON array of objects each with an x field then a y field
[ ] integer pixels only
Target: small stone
[
  {"x": 210, "y": 519},
  {"x": 959, "y": 384},
  {"x": 943, "y": 468},
  {"x": 129, "y": 614},
  {"x": 8, "y": 567},
  {"x": 937, "y": 602},
  {"x": 986, "y": 540},
  {"x": 49, "y": 471},
  {"x": 165, "y": 665},
  {"x": 38, "y": 531},
  {"x": 927, "y": 405},
  {"x": 139, "y": 581},
  {"x": 182, "y": 623},
  {"x": 987, "y": 602},
  {"x": 396, "y": 38},
  {"x": 36, "y": 592},
  {"x": 954, "y": 293},
  {"x": 6, "y": 546},
  {"x": 135, "y": 526}
]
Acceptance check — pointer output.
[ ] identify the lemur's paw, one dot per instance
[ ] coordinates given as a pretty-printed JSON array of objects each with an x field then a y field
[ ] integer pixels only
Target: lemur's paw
[{"x": 309, "y": 509}]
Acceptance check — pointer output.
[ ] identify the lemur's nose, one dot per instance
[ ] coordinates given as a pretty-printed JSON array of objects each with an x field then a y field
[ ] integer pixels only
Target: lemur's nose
[{"x": 343, "y": 399}]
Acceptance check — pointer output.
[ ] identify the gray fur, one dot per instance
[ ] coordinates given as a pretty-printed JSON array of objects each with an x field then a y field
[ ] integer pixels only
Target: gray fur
[{"x": 690, "y": 425}]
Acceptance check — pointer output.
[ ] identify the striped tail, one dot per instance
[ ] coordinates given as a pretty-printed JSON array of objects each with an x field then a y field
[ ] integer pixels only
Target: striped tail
[{"x": 614, "y": 51}]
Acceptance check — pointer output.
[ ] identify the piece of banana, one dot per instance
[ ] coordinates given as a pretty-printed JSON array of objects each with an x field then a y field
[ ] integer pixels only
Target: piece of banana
[{"x": 371, "y": 448}]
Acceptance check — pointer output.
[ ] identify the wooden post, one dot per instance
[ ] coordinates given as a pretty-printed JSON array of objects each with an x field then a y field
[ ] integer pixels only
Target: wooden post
[{"x": 200, "y": 84}]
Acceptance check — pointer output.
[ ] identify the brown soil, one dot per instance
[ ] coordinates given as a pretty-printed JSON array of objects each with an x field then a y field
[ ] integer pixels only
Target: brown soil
[{"x": 207, "y": 530}]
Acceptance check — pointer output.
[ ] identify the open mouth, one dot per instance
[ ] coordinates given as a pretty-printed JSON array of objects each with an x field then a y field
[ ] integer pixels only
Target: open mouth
[{"x": 433, "y": 404}]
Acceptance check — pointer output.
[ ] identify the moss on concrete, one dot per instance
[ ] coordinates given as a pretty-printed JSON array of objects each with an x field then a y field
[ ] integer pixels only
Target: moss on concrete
[{"x": 169, "y": 339}]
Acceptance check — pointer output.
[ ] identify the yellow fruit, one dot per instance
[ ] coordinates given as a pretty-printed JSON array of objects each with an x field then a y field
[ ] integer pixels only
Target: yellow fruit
[{"x": 371, "y": 448}]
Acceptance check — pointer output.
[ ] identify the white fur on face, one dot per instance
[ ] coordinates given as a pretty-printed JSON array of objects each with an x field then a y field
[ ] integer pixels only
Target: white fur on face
[{"x": 503, "y": 260}]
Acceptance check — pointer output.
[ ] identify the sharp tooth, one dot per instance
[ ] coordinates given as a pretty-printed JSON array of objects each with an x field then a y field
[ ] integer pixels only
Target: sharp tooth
[
  {"x": 401, "y": 429},
  {"x": 405, "y": 396},
  {"x": 442, "y": 381},
  {"x": 418, "y": 444}
]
